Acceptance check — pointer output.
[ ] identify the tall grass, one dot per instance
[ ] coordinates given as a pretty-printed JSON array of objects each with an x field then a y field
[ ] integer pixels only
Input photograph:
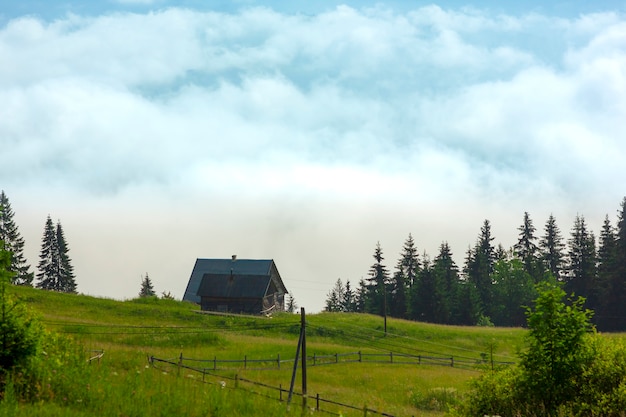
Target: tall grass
[{"x": 129, "y": 332}]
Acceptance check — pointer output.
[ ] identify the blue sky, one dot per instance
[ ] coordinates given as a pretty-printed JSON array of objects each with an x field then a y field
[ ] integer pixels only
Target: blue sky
[{"x": 162, "y": 131}]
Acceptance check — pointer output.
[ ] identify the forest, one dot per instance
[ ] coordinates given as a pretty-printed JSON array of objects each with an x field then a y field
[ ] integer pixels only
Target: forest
[{"x": 496, "y": 286}]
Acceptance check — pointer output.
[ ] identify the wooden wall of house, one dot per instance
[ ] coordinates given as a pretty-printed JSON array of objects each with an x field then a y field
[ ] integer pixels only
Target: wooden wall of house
[{"x": 232, "y": 305}]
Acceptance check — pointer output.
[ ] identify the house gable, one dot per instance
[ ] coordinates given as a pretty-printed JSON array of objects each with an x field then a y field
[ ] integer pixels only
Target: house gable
[{"x": 233, "y": 285}]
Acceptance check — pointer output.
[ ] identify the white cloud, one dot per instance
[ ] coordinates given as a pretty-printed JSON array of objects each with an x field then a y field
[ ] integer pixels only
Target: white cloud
[{"x": 349, "y": 126}]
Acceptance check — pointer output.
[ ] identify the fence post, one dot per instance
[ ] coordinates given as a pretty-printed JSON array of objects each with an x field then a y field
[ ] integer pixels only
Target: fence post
[
  {"x": 419, "y": 359},
  {"x": 364, "y": 411},
  {"x": 278, "y": 360},
  {"x": 215, "y": 363},
  {"x": 317, "y": 402},
  {"x": 390, "y": 357},
  {"x": 336, "y": 357},
  {"x": 180, "y": 362},
  {"x": 360, "y": 358},
  {"x": 452, "y": 361}
]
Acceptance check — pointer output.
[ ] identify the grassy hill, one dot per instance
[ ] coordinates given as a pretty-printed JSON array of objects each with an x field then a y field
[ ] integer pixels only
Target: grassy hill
[{"x": 413, "y": 369}]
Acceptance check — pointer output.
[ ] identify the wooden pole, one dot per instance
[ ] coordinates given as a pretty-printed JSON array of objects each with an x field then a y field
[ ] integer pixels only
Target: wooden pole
[
  {"x": 295, "y": 367},
  {"x": 303, "y": 327}
]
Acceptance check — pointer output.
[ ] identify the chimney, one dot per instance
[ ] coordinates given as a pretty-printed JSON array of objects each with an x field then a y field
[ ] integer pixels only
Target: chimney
[{"x": 234, "y": 258}]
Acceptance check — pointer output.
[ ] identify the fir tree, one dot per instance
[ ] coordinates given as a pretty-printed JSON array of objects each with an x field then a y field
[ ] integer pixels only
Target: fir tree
[
  {"x": 404, "y": 278},
  {"x": 618, "y": 276},
  {"x": 608, "y": 297},
  {"x": 480, "y": 267},
  {"x": 581, "y": 269},
  {"x": 49, "y": 259},
  {"x": 348, "y": 303},
  {"x": 56, "y": 272},
  {"x": 423, "y": 298},
  {"x": 67, "y": 280},
  {"x": 446, "y": 280},
  {"x": 376, "y": 286},
  {"x": 335, "y": 297},
  {"x": 551, "y": 248},
  {"x": 291, "y": 304},
  {"x": 526, "y": 249},
  {"x": 147, "y": 289},
  {"x": 14, "y": 244}
]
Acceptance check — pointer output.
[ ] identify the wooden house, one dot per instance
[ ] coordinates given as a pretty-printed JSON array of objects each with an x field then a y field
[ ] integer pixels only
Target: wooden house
[{"x": 249, "y": 286}]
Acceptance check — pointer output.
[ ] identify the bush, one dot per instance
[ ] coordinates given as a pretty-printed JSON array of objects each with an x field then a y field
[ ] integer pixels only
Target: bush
[
  {"x": 566, "y": 370},
  {"x": 20, "y": 331}
]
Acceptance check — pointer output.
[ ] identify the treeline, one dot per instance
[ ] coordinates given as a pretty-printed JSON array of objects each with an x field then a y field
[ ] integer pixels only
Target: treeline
[
  {"x": 495, "y": 285},
  {"x": 55, "y": 268}
]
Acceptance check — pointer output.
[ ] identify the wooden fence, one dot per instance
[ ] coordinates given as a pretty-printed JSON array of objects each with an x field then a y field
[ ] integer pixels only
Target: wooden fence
[
  {"x": 319, "y": 401},
  {"x": 216, "y": 364}
]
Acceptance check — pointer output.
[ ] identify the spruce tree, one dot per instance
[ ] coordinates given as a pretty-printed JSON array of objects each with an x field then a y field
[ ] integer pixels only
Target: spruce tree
[
  {"x": 147, "y": 289},
  {"x": 348, "y": 303},
  {"x": 67, "y": 280},
  {"x": 551, "y": 248},
  {"x": 446, "y": 280},
  {"x": 14, "y": 244},
  {"x": 291, "y": 304},
  {"x": 423, "y": 299},
  {"x": 49, "y": 259},
  {"x": 608, "y": 297},
  {"x": 581, "y": 268},
  {"x": 618, "y": 285},
  {"x": 56, "y": 272},
  {"x": 377, "y": 285},
  {"x": 335, "y": 297},
  {"x": 526, "y": 249},
  {"x": 480, "y": 267},
  {"x": 404, "y": 278}
]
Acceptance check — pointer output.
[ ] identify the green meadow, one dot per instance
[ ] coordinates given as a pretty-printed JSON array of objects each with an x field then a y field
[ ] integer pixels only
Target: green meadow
[{"x": 213, "y": 380}]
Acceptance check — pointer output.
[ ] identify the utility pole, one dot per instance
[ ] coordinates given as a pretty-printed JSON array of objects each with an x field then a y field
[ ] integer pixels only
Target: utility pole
[
  {"x": 301, "y": 347},
  {"x": 303, "y": 329}
]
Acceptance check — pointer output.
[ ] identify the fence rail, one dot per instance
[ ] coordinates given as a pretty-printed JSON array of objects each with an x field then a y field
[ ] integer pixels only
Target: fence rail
[
  {"x": 216, "y": 364},
  {"x": 178, "y": 364}
]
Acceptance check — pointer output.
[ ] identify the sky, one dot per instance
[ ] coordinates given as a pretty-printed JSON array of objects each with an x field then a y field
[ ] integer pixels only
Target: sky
[{"x": 158, "y": 131}]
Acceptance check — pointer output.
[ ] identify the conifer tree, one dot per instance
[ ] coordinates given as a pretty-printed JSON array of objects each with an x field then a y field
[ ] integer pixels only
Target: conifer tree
[
  {"x": 480, "y": 267},
  {"x": 422, "y": 304},
  {"x": 291, "y": 304},
  {"x": 446, "y": 280},
  {"x": 618, "y": 277},
  {"x": 526, "y": 249},
  {"x": 147, "y": 289},
  {"x": 581, "y": 269},
  {"x": 348, "y": 303},
  {"x": 335, "y": 297},
  {"x": 49, "y": 259},
  {"x": 409, "y": 262},
  {"x": 551, "y": 248},
  {"x": 56, "y": 272},
  {"x": 67, "y": 280},
  {"x": 14, "y": 244},
  {"x": 377, "y": 285},
  {"x": 608, "y": 298},
  {"x": 404, "y": 278}
]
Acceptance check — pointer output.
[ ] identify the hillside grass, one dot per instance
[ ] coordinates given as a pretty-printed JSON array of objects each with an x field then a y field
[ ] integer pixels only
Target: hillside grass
[{"x": 129, "y": 332}]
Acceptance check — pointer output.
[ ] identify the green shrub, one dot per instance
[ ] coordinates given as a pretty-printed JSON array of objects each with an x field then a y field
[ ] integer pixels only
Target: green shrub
[{"x": 567, "y": 369}]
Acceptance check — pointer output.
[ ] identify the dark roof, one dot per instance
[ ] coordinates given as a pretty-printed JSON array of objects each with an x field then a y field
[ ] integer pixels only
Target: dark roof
[
  {"x": 223, "y": 267},
  {"x": 237, "y": 286}
]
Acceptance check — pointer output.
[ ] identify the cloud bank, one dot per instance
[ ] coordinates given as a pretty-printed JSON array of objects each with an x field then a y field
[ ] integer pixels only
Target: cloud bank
[{"x": 312, "y": 128}]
